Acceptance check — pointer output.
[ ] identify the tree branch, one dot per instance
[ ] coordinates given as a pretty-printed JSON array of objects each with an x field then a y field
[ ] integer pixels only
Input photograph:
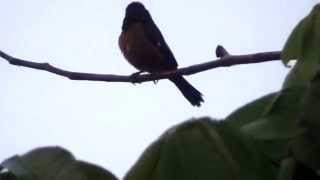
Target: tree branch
[{"x": 225, "y": 61}]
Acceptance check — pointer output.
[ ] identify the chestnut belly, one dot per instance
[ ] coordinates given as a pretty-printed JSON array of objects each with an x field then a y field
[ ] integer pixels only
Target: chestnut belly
[{"x": 141, "y": 52}]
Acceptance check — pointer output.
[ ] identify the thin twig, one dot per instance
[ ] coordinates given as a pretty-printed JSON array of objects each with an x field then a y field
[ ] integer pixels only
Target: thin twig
[{"x": 225, "y": 61}]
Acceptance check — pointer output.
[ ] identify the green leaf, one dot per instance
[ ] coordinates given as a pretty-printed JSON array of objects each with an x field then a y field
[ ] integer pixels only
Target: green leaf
[
  {"x": 280, "y": 121},
  {"x": 286, "y": 171},
  {"x": 304, "y": 36},
  {"x": 46, "y": 162},
  {"x": 307, "y": 147},
  {"x": 70, "y": 171},
  {"x": 51, "y": 163},
  {"x": 95, "y": 172},
  {"x": 294, "y": 45},
  {"x": 279, "y": 124},
  {"x": 310, "y": 118},
  {"x": 250, "y": 112},
  {"x": 16, "y": 166},
  {"x": 245, "y": 152},
  {"x": 202, "y": 149},
  {"x": 301, "y": 74},
  {"x": 303, "y": 45},
  {"x": 81, "y": 170},
  {"x": 148, "y": 162},
  {"x": 7, "y": 176}
]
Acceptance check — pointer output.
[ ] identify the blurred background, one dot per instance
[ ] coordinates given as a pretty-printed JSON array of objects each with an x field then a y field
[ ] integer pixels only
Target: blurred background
[{"x": 110, "y": 124}]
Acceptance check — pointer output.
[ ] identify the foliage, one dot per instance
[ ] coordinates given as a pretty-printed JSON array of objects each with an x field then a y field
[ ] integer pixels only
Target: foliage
[
  {"x": 274, "y": 137},
  {"x": 51, "y": 163}
]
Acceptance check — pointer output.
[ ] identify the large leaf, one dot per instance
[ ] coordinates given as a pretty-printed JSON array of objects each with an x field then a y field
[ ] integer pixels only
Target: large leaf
[
  {"x": 80, "y": 170},
  {"x": 304, "y": 36},
  {"x": 307, "y": 147},
  {"x": 286, "y": 170},
  {"x": 202, "y": 149},
  {"x": 41, "y": 162},
  {"x": 7, "y": 176},
  {"x": 17, "y": 169},
  {"x": 250, "y": 112},
  {"x": 52, "y": 163},
  {"x": 293, "y": 48},
  {"x": 148, "y": 163},
  {"x": 279, "y": 124},
  {"x": 271, "y": 134},
  {"x": 280, "y": 121},
  {"x": 303, "y": 45}
]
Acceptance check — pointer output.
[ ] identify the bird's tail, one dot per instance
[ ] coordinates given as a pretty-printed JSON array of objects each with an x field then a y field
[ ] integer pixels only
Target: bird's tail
[{"x": 188, "y": 91}]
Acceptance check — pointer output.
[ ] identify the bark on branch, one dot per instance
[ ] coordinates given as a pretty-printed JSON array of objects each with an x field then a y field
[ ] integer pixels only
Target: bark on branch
[{"x": 225, "y": 61}]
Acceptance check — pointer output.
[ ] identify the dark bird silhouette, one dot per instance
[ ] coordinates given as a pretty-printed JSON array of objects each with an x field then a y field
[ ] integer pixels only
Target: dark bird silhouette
[{"x": 143, "y": 45}]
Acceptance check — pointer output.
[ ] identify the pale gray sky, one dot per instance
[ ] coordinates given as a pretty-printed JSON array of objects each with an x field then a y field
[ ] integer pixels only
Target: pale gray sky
[{"x": 112, "y": 123}]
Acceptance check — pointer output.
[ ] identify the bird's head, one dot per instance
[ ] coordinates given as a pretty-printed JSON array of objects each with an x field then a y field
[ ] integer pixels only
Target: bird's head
[{"x": 135, "y": 13}]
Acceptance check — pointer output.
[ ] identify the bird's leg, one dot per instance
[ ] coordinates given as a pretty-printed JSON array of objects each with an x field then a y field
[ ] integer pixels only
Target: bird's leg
[
  {"x": 134, "y": 77},
  {"x": 163, "y": 73},
  {"x": 155, "y": 81}
]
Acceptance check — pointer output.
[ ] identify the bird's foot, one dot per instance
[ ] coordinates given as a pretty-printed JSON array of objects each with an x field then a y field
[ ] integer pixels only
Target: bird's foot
[{"x": 134, "y": 77}]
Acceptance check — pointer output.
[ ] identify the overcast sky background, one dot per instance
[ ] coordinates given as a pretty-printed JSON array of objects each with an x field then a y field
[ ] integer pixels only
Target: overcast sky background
[{"x": 110, "y": 124}]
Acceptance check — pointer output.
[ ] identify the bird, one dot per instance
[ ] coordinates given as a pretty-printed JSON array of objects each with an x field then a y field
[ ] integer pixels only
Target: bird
[{"x": 143, "y": 46}]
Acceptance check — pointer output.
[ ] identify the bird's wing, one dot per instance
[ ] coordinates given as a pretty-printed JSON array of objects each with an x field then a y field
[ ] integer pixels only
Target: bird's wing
[{"x": 154, "y": 35}]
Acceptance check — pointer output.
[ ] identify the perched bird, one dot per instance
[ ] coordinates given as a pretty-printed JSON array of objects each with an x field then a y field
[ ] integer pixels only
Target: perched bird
[{"x": 143, "y": 45}]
